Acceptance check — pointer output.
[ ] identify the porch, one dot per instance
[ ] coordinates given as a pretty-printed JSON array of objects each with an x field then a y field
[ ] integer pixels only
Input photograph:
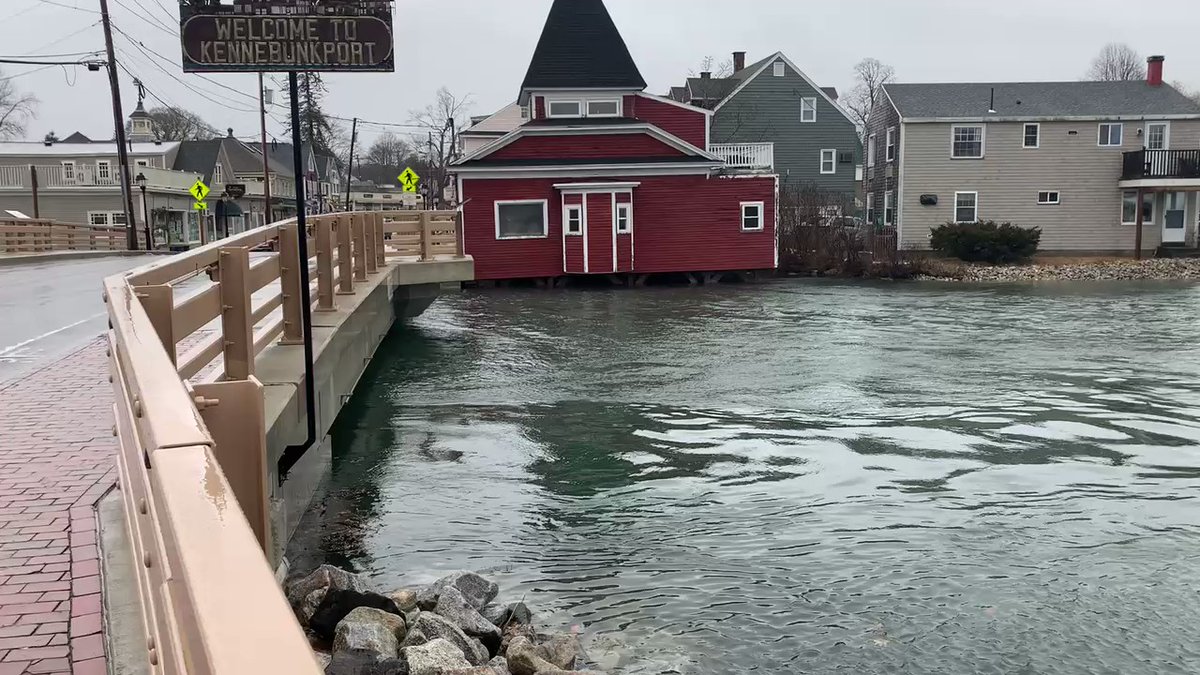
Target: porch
[{"x": 745, "y": 156}]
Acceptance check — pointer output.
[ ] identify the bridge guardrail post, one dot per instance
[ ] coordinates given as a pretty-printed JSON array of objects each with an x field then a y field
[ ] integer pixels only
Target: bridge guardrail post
[
  {"x": 324, "y": 231},
  {"x": 368, "y": 227},
  {"x": 345, "y": 256},
  {"x": 159, "y": 303},
  {"x": 459, "y": 236},
  {"x": 289, "y": 284},
  {"x": 360, "y": 247},
  {"x": 426, "y": 227},
  {"x": 237, "y": 325},
  {"x": 380, "y": 240}
]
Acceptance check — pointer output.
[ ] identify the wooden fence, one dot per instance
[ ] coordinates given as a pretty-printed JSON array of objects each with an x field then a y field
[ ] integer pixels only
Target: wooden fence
[
  {"x": 21, "y": 235},
  {"x": 192, "y": 432}
]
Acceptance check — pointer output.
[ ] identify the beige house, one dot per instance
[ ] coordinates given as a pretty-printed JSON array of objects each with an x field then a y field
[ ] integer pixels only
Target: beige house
[
  {"x": 487, "y": 128},
  {"x": 1068, "y": 157}
]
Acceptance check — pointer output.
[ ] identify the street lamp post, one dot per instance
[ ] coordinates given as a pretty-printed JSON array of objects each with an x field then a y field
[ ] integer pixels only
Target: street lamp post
[{"x": 141, "y": 183}]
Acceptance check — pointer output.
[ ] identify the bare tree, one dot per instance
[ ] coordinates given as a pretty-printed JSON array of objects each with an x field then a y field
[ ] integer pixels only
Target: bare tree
[
  {"x": 388, "y": 150},
  {"x": 16, "y": 109},
  {"x": 870, "y": 75},
  {"x": 1117, "y": 62},
  {"x": 177, "y": 124},
  {"x": 1187, "y": 91},
  {"x": 709, "y": 64},
  {"x": 441, "y": 121}
]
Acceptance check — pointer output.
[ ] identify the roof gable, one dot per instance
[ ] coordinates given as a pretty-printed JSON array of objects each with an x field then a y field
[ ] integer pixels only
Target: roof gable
[
  {"x": 1038, "y": 100},
  {"x": 615, "y": 128},
  {"x": 581, "y": 48},
  {"x": 747, "y": 75}
]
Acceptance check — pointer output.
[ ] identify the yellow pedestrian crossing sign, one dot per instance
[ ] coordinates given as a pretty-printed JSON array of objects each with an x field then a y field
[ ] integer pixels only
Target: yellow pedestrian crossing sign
[
  {"x": 200, "y": 206},
  {"x": 409, "y": 179},
  {"x": 199, "y": 191}
]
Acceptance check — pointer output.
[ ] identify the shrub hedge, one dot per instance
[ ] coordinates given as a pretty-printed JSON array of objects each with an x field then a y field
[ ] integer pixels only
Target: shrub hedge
[{"x": 986, "y": 241}]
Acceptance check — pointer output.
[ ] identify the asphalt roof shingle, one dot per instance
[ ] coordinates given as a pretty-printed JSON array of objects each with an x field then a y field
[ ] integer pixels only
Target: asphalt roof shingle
[
  {"x": 1039, "y": 99},
  {"x": 580, "y": 47}
]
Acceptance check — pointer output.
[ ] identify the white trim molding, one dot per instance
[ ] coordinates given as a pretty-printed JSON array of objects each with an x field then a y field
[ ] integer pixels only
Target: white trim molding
[
  {"x": 585, "y": 129},
  {"x": 808, "y": 104},
  {"x": 1025, "y": 135},
  {"x": 982, "y": 140},
  {"x": 620, "y": 103},
  {"x": 1110, "y": 126},
  {"x": 677, "y": 104},
  {"x": 590, "y": 170},
  {"x": 1166, "y": 125},
  {"x": 974, "y": 207},
  {"x": 513, "y": 202},
  {"x": 550, "y": 108},
  {"x": 578, "y": 188},
  {"x": 833, "y": 160},
  {"x": 762, "y": 216},
  {"x": 567, "y": 209},
  {"x": 1053, "y": 198},
  {"x": 627, "y": 207}
]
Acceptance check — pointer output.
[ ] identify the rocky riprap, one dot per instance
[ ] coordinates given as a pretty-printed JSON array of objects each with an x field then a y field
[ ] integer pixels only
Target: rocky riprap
[
  {"x": 451, "y": 627},
  {"x": 1165, "y": 269}
]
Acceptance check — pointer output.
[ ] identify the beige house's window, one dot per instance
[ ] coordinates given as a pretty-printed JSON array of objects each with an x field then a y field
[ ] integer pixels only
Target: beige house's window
[
  {"x": 1110, "y": 135},
  {"x": 1048, "y": 197},
  {"x": 1032, "y": 136},
  {"x": 1129, "y": 207},
  {"x": 966, "y": 142},
  {"x": 1158, "y": 136},
  {"x": 966, "y": 207}
]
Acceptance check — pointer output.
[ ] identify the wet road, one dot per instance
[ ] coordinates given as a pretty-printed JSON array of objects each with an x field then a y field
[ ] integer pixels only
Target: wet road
[
  {"x": 49, "y": 309},
  {"x": 797, "y": 477}
]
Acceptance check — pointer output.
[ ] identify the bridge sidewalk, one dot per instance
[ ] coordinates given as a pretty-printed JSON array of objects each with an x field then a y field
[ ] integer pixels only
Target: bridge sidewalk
[{"x": 57, "y": 458}]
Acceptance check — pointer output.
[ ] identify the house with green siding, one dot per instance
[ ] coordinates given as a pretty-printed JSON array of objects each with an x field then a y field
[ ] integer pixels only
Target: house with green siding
[{"x": 769, "y": 115}]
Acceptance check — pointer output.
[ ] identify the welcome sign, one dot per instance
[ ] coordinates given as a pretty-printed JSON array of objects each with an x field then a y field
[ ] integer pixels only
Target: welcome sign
[{"x": 287, "y": 36}]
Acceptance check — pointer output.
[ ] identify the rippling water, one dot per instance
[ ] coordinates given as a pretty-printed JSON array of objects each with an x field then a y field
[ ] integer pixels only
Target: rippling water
[{"x": 798, "y": 477}]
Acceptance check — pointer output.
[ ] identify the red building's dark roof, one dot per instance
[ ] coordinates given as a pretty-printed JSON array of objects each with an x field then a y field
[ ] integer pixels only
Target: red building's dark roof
[{"x": 581, "y": 48}]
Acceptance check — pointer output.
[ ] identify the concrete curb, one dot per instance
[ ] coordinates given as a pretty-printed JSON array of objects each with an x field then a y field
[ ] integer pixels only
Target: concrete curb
[{"x": 12, "y": 260}]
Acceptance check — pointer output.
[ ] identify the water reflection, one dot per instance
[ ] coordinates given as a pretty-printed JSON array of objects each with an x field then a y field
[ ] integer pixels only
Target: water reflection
[{"x": 797, "y": 477}]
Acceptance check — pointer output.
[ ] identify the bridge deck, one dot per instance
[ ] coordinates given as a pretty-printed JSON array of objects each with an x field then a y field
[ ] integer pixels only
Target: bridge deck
[{"x": 56, "y": 461}]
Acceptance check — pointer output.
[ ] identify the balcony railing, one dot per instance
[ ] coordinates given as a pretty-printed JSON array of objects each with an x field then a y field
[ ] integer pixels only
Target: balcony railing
[
  {"x": 59, "y": 176},
  {"x": 755, "y": 156},
  {"x": 1161, "y": 164}
]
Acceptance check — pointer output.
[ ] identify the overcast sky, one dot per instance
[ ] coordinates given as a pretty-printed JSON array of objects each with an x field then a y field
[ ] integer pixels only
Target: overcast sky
[{"x": 482, "y": 48}]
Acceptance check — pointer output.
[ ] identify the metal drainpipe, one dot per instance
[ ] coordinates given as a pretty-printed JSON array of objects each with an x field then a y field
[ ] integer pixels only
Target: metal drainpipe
[{"x": 293, "y": 453}]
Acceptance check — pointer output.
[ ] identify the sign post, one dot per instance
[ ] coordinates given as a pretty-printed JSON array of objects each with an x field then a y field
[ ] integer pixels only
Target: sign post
[{"x": 292, "y": 36}]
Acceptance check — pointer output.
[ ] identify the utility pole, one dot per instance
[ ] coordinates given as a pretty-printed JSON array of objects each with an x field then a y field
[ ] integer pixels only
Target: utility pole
[
  {"x": 119, "y": 121},
  {"x": 350, "y": 162},
  {"x": 262, "y": 109}
]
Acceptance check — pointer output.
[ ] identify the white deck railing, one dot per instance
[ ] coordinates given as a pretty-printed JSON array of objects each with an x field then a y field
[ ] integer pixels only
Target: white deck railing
[
  {"x": 60, "y": 176},
  {"x": 758, "y": 156}
]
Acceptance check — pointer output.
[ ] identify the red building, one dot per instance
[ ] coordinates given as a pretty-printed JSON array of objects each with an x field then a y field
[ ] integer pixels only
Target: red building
[{"x": 605, "y": 178}]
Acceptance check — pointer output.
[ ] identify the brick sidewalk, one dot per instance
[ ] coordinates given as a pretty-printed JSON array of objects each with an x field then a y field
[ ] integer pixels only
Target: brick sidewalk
[{"x": 57, "y": 458}]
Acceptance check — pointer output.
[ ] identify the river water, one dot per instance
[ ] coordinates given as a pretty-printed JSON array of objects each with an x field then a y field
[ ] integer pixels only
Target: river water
[{"x": 798, "y": 477}]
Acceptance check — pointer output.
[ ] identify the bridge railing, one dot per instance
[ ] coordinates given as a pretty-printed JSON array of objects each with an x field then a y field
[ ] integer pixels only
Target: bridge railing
[
  {"x": 191, "y": 427},
  {"x": 21, "y": 235}
]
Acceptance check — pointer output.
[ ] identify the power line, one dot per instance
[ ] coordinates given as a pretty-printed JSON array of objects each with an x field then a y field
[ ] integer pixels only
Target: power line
[
  {"x": 204, "y": 94},
  {"x": 67, "y": 36},
  {"x": 27, "y": 62},
  {"x": 60, "y": 4},
  {"x": 52, "y": 56},
  {"x": 151, "y": 53},
  {"x": 144, "y": 16}
]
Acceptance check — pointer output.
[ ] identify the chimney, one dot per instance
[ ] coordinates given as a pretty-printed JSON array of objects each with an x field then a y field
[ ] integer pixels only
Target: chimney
[
  {"x": 706, "y": 75},
  {"x": 739, "y": 61},
  {"x": 230, "y": 130},
  {"x": 1154, "y": 70}
]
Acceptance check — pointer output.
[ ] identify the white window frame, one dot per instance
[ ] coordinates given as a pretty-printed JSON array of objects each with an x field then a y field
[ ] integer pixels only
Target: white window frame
[
  {"x": 1053, "y": 198},
  {"x": 567, "y": 209},
  {"x": 1166, "y": 135},
  {"x": 614, "y": 101},
  {"x": 627, "y": 209},
  {"x": 975, "y": 212},
  {"x": 103, "y": 170},
  {"x": 1108, "y": 138},
  {"x": 982, "y": 140},
  {"x": 68, "y": 170},
  {"x": 832, "y": 155},
  {"x": 218, "y": 174},
  {"x": 870, "y": 151},
  {"x": 545, "y": 218},
  {"x": 890, "y": 147},
  {"x": 145, "y": 163},
  {"x": 1025, "y": 135},
  {"x": 889, "y": 208},
  {"x": 762, "y": 216},
  {"x": 870, "y": 208},
  {"x": 550, "y": 107},
  {"x": 808, "y": 104},
  {"x": 777, "y": 69},
  {"x": 1146, "y": 197},
  {"x": 92, "y": 214}
]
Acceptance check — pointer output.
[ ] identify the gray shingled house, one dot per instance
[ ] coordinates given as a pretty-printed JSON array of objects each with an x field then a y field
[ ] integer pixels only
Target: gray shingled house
[
  {"x": 770, "y": 115},
  {"x": 1069, "y": 157}
]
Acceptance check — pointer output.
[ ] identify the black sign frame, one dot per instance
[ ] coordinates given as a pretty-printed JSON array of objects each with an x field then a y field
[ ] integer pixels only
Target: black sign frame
[{"x": 287, "y": 36}]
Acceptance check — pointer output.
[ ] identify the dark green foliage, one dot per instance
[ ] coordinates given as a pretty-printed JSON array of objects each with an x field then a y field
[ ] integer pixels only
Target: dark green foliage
[{"x": 986, "y": 241}]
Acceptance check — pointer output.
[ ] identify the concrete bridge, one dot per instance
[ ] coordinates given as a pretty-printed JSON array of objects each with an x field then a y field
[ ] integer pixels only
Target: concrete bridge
[{"x": 150, "y": 479}]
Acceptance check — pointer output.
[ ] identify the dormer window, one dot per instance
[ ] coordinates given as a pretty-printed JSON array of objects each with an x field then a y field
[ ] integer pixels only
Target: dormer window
[
  {"x": 604, "y": 108},
  {"x": 564, "y": 109}
]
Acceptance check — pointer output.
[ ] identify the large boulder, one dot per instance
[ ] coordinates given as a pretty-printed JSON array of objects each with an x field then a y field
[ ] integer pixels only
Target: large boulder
[
  {"x": 500, "y": 665},
  {"x": 305, "y": 593},
  {"x": 523, "y": 658},
  {"x": 359, "y": 662},
  {"x": 513, "y": 612},
  {"x": 563, "y": 650},
  {"x": 415, "y": 637},
  {"x": 338, "y": 603},
  {"x": 454, "y": 606},
  {"x": 437, "y": 627},
  {"x": 434, "y": 658},
  {"x": 477, "y": 590},
  {"x": 514, "y": 630},
  {"x": 405, "y": 599},
  {"x": 366, "y": 628}
]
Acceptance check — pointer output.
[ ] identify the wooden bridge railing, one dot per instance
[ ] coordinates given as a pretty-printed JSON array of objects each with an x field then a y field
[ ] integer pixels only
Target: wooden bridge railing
[
  {"x": 21, "y": 235},
  {"x": 191, "y": 427}
]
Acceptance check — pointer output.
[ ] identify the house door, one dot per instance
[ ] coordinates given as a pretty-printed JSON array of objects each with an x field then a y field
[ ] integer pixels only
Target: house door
[
  {"x": 574, "y": 221},
  {"x": 600, "y": 233},
  {"x": 1174, "y": 206},
  {"x": 623, "y": 229}
]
